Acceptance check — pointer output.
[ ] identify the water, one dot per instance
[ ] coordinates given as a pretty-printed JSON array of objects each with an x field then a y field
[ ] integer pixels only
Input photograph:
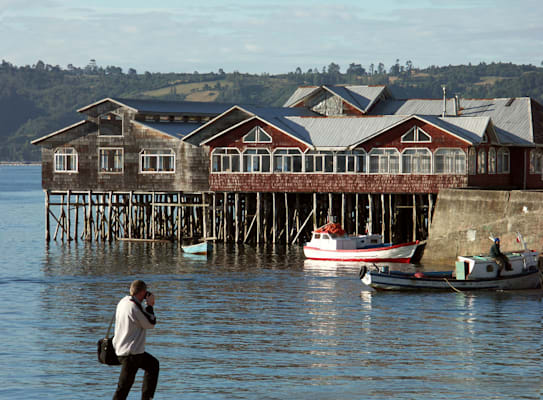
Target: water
[{"x": 246, "y": 323}]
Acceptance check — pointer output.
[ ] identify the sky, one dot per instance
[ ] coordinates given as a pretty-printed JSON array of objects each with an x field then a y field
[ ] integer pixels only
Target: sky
[{"x": 274, "y": 36}]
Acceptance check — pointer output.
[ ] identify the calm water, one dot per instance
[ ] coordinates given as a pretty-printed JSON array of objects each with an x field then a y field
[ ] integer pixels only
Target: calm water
[{"x": 246, "y": 323}]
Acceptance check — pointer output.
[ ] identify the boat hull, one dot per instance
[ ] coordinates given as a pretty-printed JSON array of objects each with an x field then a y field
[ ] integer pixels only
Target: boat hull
[
  {"x": 200, "y": 248},
  {"x": 397, "y": 253},
  {"x": 393, "y": 281}
]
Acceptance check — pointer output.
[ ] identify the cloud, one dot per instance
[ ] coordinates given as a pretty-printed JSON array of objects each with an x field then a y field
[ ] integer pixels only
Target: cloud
[{"x": 272, "y": 37}]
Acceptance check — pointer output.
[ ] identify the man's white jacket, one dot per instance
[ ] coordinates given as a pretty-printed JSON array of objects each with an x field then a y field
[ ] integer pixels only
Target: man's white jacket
[{"x": 131, "y": 324}]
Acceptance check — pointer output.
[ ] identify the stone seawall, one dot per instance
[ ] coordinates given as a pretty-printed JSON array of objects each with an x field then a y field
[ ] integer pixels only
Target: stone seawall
[{"x": 464, "y": 219}]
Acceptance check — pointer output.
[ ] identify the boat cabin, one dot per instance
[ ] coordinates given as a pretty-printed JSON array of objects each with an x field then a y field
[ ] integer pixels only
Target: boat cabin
[{"x": 484, "y": 267}]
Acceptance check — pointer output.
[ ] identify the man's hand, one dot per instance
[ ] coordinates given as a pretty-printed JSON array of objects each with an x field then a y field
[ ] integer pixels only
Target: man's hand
[{"x": 150, "y": 300}]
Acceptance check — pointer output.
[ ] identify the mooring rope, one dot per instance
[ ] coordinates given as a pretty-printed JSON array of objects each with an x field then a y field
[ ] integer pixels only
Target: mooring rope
[{"x": 452, "y": 287}]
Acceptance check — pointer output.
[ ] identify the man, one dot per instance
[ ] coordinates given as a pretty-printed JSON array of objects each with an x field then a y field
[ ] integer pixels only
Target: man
[
  {"x": 500, "y": 258},
  {"x": 131, "y": 324}
]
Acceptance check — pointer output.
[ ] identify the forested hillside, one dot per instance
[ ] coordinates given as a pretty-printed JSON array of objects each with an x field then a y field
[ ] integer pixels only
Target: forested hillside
[{"x": 39, "y": 99}]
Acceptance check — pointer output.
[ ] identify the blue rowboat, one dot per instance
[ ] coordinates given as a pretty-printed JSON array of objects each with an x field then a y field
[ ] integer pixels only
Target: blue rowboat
[{"x": 198, "y": 248}]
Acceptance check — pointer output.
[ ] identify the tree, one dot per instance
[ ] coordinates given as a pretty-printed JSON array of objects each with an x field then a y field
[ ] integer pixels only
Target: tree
[{"x": 132, "y": 71}]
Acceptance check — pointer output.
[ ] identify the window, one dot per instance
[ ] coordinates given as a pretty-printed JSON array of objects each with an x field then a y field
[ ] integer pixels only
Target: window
[
  {"x": 256, "y": 160},
  {"x": 450, "y": 161},
  {"x": 472, "y": 161},
  {"x": 257, "y": 135},
  {"x": 417, "y": 161},
  {"x": 225, "y": 160},
  {"x": 492, "y": 160},
  {"x": 319, "y": 161},
  {"x": 384, "y": 161},
  {"x": 110, "y": 125},
  {"x": 287, "y": 160},
  {"x": 351, "y": 161},
  {"x": 157, "y": 160},
  {"x": 503, "y": 161},
  {"x": 111, "y": 160},
  {"x": 481, "y": 162},
  {"x": 416, "y": 135},
  {"x": 66, "y": 160},
  {"x": 536, "y": 161}
]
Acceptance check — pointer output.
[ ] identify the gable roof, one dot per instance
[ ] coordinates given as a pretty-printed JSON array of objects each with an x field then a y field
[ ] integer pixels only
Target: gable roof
[
  {"x": 84, "y": 124},
  {"x": 511, "y": 117},
  {"x": 362, "y": 97},
  {"x": 174, "y": 129},
  {"x": 198, "y": 108}
]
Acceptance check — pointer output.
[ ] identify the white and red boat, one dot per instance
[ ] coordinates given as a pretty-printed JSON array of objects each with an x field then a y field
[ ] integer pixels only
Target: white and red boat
[{"x": 331, "y": 243}]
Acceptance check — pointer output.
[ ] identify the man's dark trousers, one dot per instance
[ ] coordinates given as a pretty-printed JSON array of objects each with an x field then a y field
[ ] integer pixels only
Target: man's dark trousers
[{"x": 129, "y": 367}]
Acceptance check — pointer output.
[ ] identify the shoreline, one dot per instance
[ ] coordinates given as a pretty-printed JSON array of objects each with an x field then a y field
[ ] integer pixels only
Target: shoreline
[{"x": 20, "y": 163}]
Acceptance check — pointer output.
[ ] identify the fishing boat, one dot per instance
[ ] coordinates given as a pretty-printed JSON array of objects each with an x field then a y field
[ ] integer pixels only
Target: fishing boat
[
  {"x": 198, "y": 248},
  {"x": 470, "y": 273},
  {"x": 330, "y": 242}
]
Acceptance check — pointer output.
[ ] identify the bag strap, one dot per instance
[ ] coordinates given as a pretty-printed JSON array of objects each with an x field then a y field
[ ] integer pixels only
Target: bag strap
[{"x": 110, "y": 323}]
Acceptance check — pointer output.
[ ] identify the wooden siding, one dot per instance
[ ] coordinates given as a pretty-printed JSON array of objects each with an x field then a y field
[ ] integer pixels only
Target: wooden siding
[
  {"x": 191, "y": 162},
  {"x": 338, "y": 183}
]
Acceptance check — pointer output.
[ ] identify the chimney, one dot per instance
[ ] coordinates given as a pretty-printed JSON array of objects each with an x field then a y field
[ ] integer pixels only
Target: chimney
[
  {"x": 456, "y": 102},
  {"x": 444, "y": 101}
]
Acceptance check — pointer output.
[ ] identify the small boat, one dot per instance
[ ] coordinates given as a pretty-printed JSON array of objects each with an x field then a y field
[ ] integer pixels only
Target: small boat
[
  {"x": 471, "y": 273},
  {"x": 198, "y": 248},
  {"x": 330, "y": 242}
]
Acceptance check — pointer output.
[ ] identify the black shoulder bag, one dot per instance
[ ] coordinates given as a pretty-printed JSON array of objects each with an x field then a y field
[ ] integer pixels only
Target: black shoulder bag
[{"x": 106, "y": 352}]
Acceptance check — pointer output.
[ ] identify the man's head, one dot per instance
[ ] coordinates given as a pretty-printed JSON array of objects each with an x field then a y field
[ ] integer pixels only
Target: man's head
[
  {"x": 138, "y": 288},
  {"x": 497, "y": 240}
]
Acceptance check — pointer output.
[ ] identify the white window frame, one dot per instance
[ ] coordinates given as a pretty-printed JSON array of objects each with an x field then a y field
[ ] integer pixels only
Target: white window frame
[
  {"x": 416, "y": 130},
  {"x": 472, "y": 161},
  {"x": 417, "y": 149},
  {"x": 229, "y": 153},
  {"x": 322, "y": 155},
  {"x": 491, "y": 161},
  {"x": 289, "y": 156},
  {"x": 482, "y": 163},
  {"x": 60, "y": 153},
  {"x": 457, "y": 151},
  {"x": 100, "y": 160},
  {"x": 111, "y": 136},
  {"x": 259, "y": 156},
  {"x": 158, "y": 156},
  {"x": 505, "y": 167},
  {"x": 258, "y": 131},
  {"x": 536, "y": 161},
  {"x": 355, "y": 156},
  {"x": 387, "y": 155}
]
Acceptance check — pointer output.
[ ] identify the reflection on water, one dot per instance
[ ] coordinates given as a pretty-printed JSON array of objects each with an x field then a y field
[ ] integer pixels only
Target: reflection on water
[{"x": 249, "y": 323}]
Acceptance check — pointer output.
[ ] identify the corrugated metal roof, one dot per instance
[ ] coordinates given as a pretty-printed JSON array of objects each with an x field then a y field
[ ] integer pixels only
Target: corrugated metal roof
[
  {"x": 175, "y": 107},
  {"x": 511, "y": 119},
  {"x": 340, "y": 132},
  {"x": 343, "y": 132},
  {"x": 176, "y": 129},
  {"x": 470, "y": 128},
  {"x": 359, "y": 95},
  {"x": 299, "y": 94}
]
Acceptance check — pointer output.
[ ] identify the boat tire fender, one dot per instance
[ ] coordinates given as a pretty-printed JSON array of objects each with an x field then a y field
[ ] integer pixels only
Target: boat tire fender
[{"x": 362, "y": 272}]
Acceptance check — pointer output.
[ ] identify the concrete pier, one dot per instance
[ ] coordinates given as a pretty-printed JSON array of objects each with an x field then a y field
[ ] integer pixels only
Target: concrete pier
[{"x": 465, "y": 218}]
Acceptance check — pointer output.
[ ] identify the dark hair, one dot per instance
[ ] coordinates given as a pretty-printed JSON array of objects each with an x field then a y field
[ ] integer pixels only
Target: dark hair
[{"x": 137, "y": 286}]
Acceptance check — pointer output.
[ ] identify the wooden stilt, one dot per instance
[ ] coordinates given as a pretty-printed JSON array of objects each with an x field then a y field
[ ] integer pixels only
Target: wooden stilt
[
  {"x": 47, "y": 220},
  {"x": 315, "y": 211},
  {"x": 356, "y": 221},
  {"x": 390, "y": 240},
  {"x": 343, "y": 210},
  {"x": 414, "y": 217},
  {"x": 383, "y": 216},
  {"x": 68, "y": 220},
  {"x": 287, "y": 220},
  {"x": 330, "y": 211},
  {"x": 274, "y": 219},
  {"x": 258, "y": 222},
  {"x": 76, "y": 225},
  {"x": 370, "y": 214},
  {"x": 225, "y": 217}
]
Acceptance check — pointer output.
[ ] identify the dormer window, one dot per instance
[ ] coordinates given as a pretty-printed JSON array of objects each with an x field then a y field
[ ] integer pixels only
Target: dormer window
[
  {"x": 416, "y": 135},
  {"x": 257, "y": 135},
  {"x": 110, "y": 125},
  {"x": 484, "y": 139}
]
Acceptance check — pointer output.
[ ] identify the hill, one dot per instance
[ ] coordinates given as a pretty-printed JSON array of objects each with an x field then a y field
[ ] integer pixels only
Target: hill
[{"x": 39, "y": 99}]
